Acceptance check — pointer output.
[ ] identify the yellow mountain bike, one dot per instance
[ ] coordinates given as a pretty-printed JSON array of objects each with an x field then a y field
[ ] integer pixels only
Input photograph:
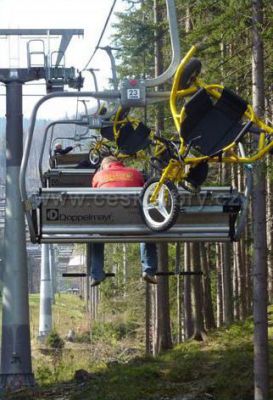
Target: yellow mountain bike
[
  {"x": 126, "y": 137},
  {"x": 214, "y": 125}
]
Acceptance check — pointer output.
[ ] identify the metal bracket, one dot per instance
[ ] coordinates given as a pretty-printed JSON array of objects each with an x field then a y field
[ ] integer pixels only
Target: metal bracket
[
  {"x": 60, "y": 76},
  {"x": 83, "y": 274},
  {"x": 95, "y": 122},
  {"x": 32, "y": 203},
  {"x": 133, "y": 93},
  {"x": 184, "y": 273}
]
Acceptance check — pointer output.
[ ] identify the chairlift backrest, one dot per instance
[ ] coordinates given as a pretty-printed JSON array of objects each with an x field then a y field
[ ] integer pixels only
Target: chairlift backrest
[
  {"x": 211, "y": 125},
  {"x": 53, "y": 160},
  {"x": 70, "y": 160},
  {"x": 67, "y": 178}
]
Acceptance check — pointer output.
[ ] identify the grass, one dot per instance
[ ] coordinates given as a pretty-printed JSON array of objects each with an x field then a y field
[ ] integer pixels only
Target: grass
[
  {"x": 68, "y": 311},
  {"x": 220, "y": 368}
]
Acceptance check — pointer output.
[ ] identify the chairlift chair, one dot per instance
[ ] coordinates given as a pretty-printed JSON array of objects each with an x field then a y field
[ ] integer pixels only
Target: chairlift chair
[
  {"x": 70, "y": 170},
  {"x": 69, "y": 215}
]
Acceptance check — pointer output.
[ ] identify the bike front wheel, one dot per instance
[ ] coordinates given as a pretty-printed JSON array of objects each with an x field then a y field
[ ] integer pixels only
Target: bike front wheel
[
  {"x": 94, "y": 157},
  {"x": 162, "y": 214},
  {"x": 97, "y": 154}
]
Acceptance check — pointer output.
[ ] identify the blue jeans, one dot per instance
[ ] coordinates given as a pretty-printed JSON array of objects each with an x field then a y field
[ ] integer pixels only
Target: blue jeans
[{"x": 148, "y": 256}]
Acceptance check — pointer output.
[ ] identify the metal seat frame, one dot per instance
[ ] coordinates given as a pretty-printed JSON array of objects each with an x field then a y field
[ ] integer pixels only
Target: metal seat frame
[{"x": 66, "y": 215}]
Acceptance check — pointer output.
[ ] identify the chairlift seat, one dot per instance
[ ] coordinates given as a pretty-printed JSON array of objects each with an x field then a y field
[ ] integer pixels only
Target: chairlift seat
[
  {"x": 69, "y": 215},
  {"x": 70, "y": 160},
  {"x": 211, "y": 126},
  {"x": 108, "y": 133},
  {"x": 131, "y": 140},
  {"x": 68, "y": 177}
]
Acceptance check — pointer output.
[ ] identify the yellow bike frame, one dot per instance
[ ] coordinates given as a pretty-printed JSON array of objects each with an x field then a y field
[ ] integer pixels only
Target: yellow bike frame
[
  {"x": 176, "y": 170},
  {"x": 229, "y": 154},
  {"x": 142, "y": 155}
]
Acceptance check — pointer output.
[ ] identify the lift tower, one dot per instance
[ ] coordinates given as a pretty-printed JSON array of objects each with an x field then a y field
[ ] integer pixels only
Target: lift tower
[{"x": 16, "y": 368}]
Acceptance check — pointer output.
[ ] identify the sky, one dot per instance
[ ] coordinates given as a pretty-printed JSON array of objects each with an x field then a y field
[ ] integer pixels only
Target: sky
[{"x": 89, "y": 15}]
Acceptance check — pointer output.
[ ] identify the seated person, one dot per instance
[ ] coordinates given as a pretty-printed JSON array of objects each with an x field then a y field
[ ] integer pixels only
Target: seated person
[
  {"x": 114, "y": 173},
  {"x": 59, "y": 148}
]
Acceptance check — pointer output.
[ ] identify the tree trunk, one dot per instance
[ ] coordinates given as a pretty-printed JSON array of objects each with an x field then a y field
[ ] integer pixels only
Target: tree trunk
[
  {"x": 163, "y": 332},
  {"x": 227, "y": 285},
  {"x": 219, "y": 301},
  {"x": 188, "y": 323},
  {"x": 125, "y": 267},
  {"x": 207, "y": 299},
  {"x": 269, "y": 221},
  {"x": 236, "y": 298},
  {"x": 248, "y": 241},
  {"x": 241, "y": 260},
  {"x": 243, "y": 303},
  {"x": 163, "y": 339},
  {"x": 260, "y": 297},
  {"x": 178, "y": 293},
  {"x": 198, "y": 319},
  {"x": 148, "y": 320}
]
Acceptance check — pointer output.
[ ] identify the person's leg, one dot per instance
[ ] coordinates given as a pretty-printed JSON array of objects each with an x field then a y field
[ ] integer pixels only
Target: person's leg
[
  {"x": 97, "y": 261},
  {"x": 148, "y": 254}
]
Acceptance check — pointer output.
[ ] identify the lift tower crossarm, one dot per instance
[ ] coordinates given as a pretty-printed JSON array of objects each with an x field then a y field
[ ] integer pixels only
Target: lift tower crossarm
[
  {"x": 65, "y": 40},
  {"x": 66, "y": 36},
  {"x": 40, "y": 32}
]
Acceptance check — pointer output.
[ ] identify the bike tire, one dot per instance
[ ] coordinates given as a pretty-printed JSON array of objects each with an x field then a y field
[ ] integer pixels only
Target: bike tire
[
  {"x": 191, "y": 71},
  {"x": 94, "y": 157},
  {"x": 167, "y": 223}
]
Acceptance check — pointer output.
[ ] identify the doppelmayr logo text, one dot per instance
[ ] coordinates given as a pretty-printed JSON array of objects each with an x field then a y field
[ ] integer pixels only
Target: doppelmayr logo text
[{"x": 54, "y": 215}]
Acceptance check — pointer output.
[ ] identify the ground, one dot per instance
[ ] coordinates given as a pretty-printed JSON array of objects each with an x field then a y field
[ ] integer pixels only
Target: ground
[{"x": 112, "y": 369}]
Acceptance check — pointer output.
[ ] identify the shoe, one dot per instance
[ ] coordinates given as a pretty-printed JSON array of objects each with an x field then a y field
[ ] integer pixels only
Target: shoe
[
  {"x": 190, "y": 187},
  {"x": 96, "y": 282},
  {"x": 149, "y": 278},
  {"x": 198, "y": 174}
]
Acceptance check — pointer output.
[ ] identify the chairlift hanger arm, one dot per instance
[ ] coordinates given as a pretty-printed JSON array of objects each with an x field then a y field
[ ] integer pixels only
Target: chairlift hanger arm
[
  {"x": 92, "y": 72},
  {"x": 86, "y": 115},
  {"x": 108, "y": 50},
  {"x": 175, "y": 45},
  {"x": 133, "y": 91},
  {"x": 144, "y": 97}
]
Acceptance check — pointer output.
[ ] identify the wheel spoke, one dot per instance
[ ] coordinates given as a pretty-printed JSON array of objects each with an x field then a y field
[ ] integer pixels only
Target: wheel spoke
[
  {"x": 149, "y": 206},
  {"x": 163, "y": 211},
  {"x": 162, "y": 197}
]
